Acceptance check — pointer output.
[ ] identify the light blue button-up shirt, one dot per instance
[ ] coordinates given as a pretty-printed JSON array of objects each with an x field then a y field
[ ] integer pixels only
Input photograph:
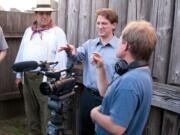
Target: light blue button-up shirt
[{"x": 108, "y": 53}]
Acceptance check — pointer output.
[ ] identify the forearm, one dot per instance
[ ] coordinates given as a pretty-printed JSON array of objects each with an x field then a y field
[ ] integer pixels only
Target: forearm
[
  {"x": 102, "y": 82},
  {"x": 2, "y": 54},
  {"x": 104, "y": 121}
]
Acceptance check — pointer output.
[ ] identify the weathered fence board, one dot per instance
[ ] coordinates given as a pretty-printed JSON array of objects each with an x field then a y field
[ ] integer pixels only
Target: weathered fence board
[
  {"x": 153, "y": 20},
  {"x": 13, "y": 24},
  {"x": 62, "y": 14},
  {"x": 132, "y": 12},
  {"x": 164, "y": 31},
  {"x": 6, "y": 72},
  {"x": 72, "y": 24},
  {"x": 170, "y": 124},
  {"x": 3, "y": 22},
  {"x": 84, "y": 21},
  {"x": 140, "y": 10},
  {"x": 54, "y": 15},
  {"x": 167, "y": 97},
  {"x": 121, "y": 7},
  {"x": 153, "y": 126},
  {"x": 174, "y": 65}
]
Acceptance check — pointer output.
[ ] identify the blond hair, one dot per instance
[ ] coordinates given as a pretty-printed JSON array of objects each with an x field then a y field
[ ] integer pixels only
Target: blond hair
[{"x": 141, "y": 39}]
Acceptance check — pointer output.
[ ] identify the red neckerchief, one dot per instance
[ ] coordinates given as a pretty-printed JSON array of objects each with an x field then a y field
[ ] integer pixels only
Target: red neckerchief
[{"x": 35, "y": 29}]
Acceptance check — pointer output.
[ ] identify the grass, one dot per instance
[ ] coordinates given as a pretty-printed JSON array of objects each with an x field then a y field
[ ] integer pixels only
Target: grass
[{"x": 14, "y": 126}]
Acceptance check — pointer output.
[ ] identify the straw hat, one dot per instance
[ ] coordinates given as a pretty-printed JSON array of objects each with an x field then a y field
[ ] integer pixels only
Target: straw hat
[{"x": 43, "y": 5}]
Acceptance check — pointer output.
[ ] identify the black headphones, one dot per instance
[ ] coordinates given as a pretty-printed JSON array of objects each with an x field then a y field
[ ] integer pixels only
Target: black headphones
[{"x": 122, "y": 66}]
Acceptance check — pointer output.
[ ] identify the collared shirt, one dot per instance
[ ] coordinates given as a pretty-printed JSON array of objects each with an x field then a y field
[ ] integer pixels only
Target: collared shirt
[
  {"x": 45, "y": 49},
  {"x": 128, "y": 101},
  {"x": 3, "y": 43},
  {"x": 108, "y": 53}
]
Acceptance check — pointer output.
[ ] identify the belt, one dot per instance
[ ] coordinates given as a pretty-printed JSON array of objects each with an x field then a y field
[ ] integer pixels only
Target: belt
[{"x": 93, "y": 91}]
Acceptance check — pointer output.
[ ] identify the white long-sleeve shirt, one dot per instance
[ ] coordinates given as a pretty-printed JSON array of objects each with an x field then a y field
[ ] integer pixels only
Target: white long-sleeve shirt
[{"x": 43, "y": 49}]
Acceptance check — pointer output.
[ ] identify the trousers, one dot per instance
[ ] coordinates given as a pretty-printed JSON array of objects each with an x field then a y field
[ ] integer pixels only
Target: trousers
[
  {"x": 36, "y": 107},
  {"x": 88, "y": 100}
]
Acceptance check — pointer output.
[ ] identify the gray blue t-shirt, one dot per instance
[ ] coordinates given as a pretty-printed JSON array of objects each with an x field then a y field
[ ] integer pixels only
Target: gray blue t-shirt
[
  {"x": 3, "y": 43},
  {"x": 128, "y": 101}
]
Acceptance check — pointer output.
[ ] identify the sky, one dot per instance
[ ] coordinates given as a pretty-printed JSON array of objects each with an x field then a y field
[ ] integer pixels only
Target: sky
[{"x": 22, "y": 5}]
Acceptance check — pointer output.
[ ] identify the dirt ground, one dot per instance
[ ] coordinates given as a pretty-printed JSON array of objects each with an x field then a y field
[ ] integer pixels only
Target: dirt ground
[{"x": 14, "y": 126}]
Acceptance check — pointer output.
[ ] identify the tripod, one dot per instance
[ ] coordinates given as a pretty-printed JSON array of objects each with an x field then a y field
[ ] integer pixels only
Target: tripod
[{"x": 56, "y": 125}]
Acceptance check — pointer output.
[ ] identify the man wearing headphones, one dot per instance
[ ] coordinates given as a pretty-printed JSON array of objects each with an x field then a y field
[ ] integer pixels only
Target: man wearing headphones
[{"x": 127, "y": 100}]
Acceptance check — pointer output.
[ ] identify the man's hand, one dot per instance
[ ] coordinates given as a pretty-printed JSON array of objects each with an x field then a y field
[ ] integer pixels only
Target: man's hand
[
  {"x": 97, "y": 60},
  {"x": 106, "y": 122},
  {"x": 68, "y": 47}
]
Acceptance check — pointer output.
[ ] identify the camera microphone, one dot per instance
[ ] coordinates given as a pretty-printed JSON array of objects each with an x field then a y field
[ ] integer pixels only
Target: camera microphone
[
  {"x": 31, "y": 65},
  {"x": 24, "y": 66}
]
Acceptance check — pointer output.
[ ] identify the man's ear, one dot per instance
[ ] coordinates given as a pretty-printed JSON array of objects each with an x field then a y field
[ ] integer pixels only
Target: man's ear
[
  {"x": 125, "y": 45},
  {"x": 114, "y": 26}
]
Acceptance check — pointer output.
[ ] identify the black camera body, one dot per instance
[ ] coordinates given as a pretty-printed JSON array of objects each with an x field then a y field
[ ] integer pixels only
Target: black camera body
[
  {"x": 57, "y": 90},
  {"x": 59, "y": 87}
]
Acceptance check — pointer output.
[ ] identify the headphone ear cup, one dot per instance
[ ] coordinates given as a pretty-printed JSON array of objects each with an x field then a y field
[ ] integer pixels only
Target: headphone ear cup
[{"x": 121, "y": 67}]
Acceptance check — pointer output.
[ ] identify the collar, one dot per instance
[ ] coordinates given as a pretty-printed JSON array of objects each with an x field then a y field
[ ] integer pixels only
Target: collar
[
  {"x": 35, "y": 29},
  {"x": 111, "y": 42}
]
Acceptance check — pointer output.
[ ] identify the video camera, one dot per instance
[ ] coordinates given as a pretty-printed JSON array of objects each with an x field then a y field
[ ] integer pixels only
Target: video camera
[{"x": 57, "y": 89}]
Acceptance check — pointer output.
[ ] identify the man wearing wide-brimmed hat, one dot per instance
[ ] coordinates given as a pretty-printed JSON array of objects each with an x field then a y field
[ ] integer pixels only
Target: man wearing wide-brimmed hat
[{"x": 40, "y": 43}]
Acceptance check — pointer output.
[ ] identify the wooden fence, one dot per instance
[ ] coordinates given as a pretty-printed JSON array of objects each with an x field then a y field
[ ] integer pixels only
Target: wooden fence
[
  {"x": 13, "y": 25},
  {"x": 77, "y": 18}
]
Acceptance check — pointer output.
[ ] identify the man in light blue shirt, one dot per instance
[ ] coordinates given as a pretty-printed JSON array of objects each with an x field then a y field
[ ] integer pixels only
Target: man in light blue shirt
[
  {"x": 108, "y": 53},
  {"x": 127, "y": 100},
  {"x": 105, "y": 44}
]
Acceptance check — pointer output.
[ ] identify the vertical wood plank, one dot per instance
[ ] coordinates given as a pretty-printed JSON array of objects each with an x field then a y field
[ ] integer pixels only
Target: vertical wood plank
[
  {"x": 3, "y": 22},
  {"x": 153, "y": 20},
  {"x": 139, "y": 10},
  {"x": 153, "y": 126},
  {"x": 54, "y": 5},
  {"x": 174, "y": 65},
  {"x": 26, "y": 21},
  {"x": 84, "y": 21},
  {"x": 170, "y": 123},
  {"x": 121, "y": 8},
  {"x": 144, "y": 9},
  {"x": 72, "y": 23},
  {"x": 164, "y": 31},
  {"x": 62, "y": 14},
  {"x": 14, "y": 17},
  {"x": 13, "y": 32},
  {"x": 132, "y": 10},
  {"x": 96, "y": 4}
]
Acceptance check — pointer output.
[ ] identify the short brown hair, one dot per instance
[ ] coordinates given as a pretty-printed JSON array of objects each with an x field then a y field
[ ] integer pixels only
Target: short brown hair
[
  {"x": 141, "y": 39},
  {"x": 108, "y": 13}
]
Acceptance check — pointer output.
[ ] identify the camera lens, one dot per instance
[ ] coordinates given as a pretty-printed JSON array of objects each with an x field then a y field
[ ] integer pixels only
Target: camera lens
[{"x": 45, "y": 88}]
